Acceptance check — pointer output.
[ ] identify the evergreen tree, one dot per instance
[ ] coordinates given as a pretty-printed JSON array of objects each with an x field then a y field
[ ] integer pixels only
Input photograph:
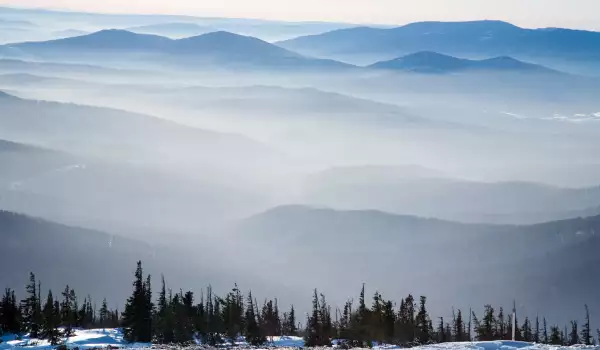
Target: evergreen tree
[
  {"x": 68, "y": 311},
  {"x": 253, "y": 334},
  {"x": 325, "y": 321},
  {"x": 10, "y": 313},
  {"x": 314, "y": 326},
  {"x": 545, "y": 338},
  {"x": 389, "y": 320},
  {"x": 104, "y": 314},
  {"x": 448, "y": 333},
  {"x": 526, "y": 331},
  {"x": 233, "y": 314},
  {"x": 51, "y": 321},
  {"x": 459, "y": 327},
  {"x": 574, "y": 335},
  {"x": 361, "y": 324},
  {"x": 137, "y": 317},
  {"x": 536, "y": 332},
  {"x": 586, "y": 333},
  {"x": 423, "y": 323},
  {"x": 32, "y": 313},
  {"x": 292, "y": 329},
  {"x": 441, "y": 331},
  {"x": 485, "y": 329},
  {"x": 500, "y": 325},
  {"x": 469, "y": 325},
  {"x": 555, "y": 336},
  {"x": 164, "y": 316}
]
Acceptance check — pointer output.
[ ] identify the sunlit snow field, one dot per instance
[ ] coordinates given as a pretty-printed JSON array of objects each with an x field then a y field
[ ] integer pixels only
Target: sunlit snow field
[{"x": 113, "y": 338}]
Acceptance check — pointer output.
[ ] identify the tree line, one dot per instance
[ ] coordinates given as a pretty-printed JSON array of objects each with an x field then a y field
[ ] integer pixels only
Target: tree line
[{"x": 176, "y": 317}]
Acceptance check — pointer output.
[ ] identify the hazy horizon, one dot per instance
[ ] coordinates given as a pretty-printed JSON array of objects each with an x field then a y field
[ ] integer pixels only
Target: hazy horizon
[{"x": 534, "y": 13}]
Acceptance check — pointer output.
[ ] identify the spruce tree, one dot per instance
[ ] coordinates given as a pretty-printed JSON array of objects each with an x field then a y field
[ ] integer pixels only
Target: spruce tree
[
  {"x": 459, "y": 327},
  {"x": 526, "y": 331},
  {"x": 104, "y": 314},
  {"x": 389, "y": 320},
  {"x": 574, "y": 335},
  {"x": 545, "y": 338},
  {"x": 536, "y": 332},
  {"x": 555, "y": 336},
  {"x": 164, "y": 316},
  {"x": 500, "y": 332},
  {"x": 10, "y": 313},
  {"x": 586, "y": 333},
  {"x": 441, "y": 332},
  {"x": 137, "y": 317},
  {"x": 423, "y": 323},
  {"x": 314, "y": 333},
  {"x": 32, "y": 313},
  {"x": 325, "y": 322},
  {"x": 68, "y": 311},
  {"x": 292, "y": 327},
  {"x": 253, "y": 334},
  {"x": 51, "y": 321}
]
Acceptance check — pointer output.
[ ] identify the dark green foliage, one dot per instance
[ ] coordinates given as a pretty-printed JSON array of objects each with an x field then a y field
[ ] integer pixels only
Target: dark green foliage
[
  {"x": 536, "y": 331},
  {"x": 177, "y": 319},
  {"x": 555, "y": 336},
  {"x": 527, "y": 334},
  {"x": 253, "y": 333},
  {"x": 289, "y": 326},
  {"x": 137, "y": 317},
  {"x": 10, "y": 313},
  {"x": 68, "y": 309},
  {"x": 318, "y": 325},
  {"x": 441, "y": 331},
  {"x": 574, "y": 335},
  {"x": 31, "y": 309},
  {"x": 103, "y": 320},
  {"x": 486, "y": 329},
  {"x": 586, "y": 333},
  {"x": 51, "y": 322},
  {"x": 233, "y": 314},
  {"x": 423, "y": 323},
  {"x": 459, "y": 328}
]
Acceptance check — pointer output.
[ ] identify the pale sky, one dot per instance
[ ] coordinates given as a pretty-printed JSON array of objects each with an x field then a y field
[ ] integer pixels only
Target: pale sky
[{"x": 527, "y": 13}]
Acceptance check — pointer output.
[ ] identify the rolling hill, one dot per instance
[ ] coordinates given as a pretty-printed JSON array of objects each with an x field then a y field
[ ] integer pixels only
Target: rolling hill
[
  {"x": 475, "y": 264},
  {"x": 217, "y": 48},
  {"x": 100, "y": 264},
  {"x": 135, "y": 200},
  {"x": 432, "y": 62},
  {"x": 115, "y": 133},
  {"x": 396, "y": 190},
  {"x": 464, "y": 39}
]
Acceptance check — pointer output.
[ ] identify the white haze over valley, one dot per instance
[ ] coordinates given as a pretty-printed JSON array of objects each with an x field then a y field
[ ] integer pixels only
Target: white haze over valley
[{"x": 311, "y": 154}]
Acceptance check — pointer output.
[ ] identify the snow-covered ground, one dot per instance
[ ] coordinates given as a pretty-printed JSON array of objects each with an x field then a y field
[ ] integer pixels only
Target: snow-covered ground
[
  {"x": 82, "y": 339},
  {"x": 105, "y": 338},
  {"x": 501, "y": 345}
]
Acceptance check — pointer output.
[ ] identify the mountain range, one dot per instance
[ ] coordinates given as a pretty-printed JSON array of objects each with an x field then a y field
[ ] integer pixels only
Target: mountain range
[
  {"x": 538, "y": 265},
  {"x": 476, "y": 39},
  {"x": 432, "y": 62},
  {"x": 432, "y": 194},
  {"x": 231, "y": 50},
  {"x": 216, "y": 48}
]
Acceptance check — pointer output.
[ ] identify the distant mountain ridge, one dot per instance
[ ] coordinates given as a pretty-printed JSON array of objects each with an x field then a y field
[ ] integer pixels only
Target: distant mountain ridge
[
  {"x": 221, "y": 48},
  {"x": 433, "y": 62},
  {"x": 501, "y": 261},
  {"x": 466, "y": 39}
]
